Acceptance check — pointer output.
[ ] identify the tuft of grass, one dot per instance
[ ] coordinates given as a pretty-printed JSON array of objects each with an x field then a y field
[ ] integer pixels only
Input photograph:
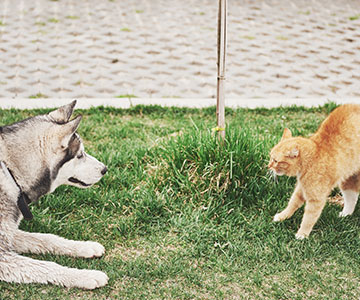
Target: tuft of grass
[
  {"x": 72, "y": 17},
  {"x": 37, "y": 96},
  {"x": 183, "y": 216},
  {"x": 126, "y": 29},
  {"x": 126, "y": 96},
  {"x": 354, "y": 18},
  {"x": 81, "y": 82},
  {"x": 40, "y": 23},
  {"x": 53, "y": 20},
  {"x": 282, "y": 38},
  {"x": 248, "y": 37}
]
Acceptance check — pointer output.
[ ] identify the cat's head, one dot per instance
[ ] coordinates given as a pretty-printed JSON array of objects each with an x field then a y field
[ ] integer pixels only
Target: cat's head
[{"x": 285, "y": 156}]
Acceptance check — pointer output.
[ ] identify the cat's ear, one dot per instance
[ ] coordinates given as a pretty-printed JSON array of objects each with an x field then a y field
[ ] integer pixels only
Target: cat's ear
[
  {"x": 286, "y": 134},
  {"x": 294, "y": 152}
]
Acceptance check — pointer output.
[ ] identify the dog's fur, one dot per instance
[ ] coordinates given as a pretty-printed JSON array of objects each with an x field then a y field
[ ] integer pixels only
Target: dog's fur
[{"x": 37, "y": 155}]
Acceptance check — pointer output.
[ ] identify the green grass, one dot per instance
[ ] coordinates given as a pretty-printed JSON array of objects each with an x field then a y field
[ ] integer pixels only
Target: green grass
[
  {"x": 53, "y": 20},
  {"x": 126, "y": 96},
  {"x": 183, "y": 217},
  {"x": 354, "y": 18},
  {"x": 40, "y": 23},
  {"x": 72, "y": 17},
  {"x": 37, "y": 96}
]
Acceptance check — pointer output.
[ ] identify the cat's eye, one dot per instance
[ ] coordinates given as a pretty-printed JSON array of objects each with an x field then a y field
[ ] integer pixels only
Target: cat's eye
[
  {"x": 80, "y": 155},
  {"x": 275, "y": 161}
]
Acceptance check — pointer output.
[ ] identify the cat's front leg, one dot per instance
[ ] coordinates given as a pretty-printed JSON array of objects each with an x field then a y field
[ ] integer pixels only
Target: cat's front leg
[
  {"x": 295, "y": 202},
  {"x": 312, "y": 212}
]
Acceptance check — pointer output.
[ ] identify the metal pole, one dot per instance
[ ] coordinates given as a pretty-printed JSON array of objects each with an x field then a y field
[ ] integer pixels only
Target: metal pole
[{"x": 220, "y": 106}]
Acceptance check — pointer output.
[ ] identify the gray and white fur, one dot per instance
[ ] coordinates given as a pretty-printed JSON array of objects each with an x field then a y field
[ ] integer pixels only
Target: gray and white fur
[{"x": 37, "y": 155}]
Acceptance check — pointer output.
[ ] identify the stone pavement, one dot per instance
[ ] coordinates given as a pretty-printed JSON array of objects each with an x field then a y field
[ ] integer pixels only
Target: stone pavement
[{"x": 277, "y": 49}]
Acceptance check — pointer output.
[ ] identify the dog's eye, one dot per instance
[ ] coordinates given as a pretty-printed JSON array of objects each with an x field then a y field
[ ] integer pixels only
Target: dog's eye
[{"x": 80, "y": 155}]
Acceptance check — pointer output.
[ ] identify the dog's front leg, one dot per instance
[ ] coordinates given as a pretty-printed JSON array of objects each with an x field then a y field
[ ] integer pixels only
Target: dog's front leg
[
  {"x": 26, "y": 242},
  {"x": 20, "y": 269}
]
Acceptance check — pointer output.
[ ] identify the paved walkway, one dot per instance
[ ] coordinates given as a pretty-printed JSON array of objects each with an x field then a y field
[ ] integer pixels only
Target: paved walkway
[
  {"x": 85, "y": 103},
  {"x": 277, "y": 49}
]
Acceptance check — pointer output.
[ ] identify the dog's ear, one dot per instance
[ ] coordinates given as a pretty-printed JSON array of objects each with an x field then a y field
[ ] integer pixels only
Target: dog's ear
[
  {"x": 62, "y": 114},
  {"x": 68, "y": 130},
  {"x": 73, "y": 125}
]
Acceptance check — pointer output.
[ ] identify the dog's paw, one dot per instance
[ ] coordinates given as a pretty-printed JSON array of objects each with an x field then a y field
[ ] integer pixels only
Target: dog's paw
[
  {"x": 87, "y": 279},
  {"x": 89, "y": 249}
]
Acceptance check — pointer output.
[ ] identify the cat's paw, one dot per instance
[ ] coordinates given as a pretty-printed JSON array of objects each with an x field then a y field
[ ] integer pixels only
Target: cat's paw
[
  {"x": 279, "y": 217},
  {"x": 344, "y": 214},
  {"x": 89, "y": 249},
  {"x": 301, "y": 236}
]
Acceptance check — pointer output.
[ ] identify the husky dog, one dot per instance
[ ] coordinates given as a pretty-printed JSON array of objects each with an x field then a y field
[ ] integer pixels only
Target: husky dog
[{"x": 36, "y": 156}]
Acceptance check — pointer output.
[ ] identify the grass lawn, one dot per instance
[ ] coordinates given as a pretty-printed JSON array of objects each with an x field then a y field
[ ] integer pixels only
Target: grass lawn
[{"x": 183, "y": 218}]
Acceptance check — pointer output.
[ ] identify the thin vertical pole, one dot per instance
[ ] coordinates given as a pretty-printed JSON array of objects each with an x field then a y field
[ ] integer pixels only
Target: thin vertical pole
[{"x": 220, "y": 106}]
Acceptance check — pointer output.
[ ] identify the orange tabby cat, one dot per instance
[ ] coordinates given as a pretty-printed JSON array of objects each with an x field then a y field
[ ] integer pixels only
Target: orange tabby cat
[{"x": 329, "y": 158}]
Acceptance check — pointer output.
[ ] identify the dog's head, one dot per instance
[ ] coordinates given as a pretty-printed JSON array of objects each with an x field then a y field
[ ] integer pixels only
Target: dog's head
[
  {"x": 71, "y": 164},
  {"x": 44, "y": 152}
]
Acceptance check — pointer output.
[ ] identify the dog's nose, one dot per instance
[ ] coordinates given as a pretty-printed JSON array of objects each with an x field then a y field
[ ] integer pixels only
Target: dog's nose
[{"x": 103, "y": 171}]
